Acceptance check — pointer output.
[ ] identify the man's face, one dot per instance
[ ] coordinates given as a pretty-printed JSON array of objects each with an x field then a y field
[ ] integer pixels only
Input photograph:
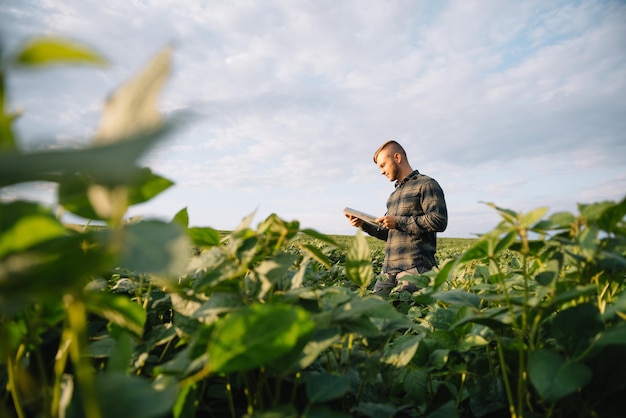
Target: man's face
[{"x": 387, "y": 165}]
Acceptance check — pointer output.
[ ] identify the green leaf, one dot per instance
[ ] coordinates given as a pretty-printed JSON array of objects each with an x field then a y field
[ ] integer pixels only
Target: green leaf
[
  {"x": 72, "y": 195},
  {"x": 210, "y": 311},
  {"x": 444, "y": 273},
  {"x": 7, "y": 136},
  {"x": 49, "y": 270},
  {"x": 269, "y": 272},
  {"x": 612, "y": 216},
  {"x": 505, "y": 242},
  {"x": 121, "y": 395},
  {"x": 616, "y": 308},
  {"x": 108, "y": 164},
  {"x": 373, "y": 409},
  {"x": 611, "y": 262},
  {"x": 415, "y": 382},
  {"x": 369, "y": 315},
  {"x": 563, "y": 298},
  {"x": 315, "y": 411},
  {"x": 297, "y": 279},
  {"x": 530, "y": 218},
  {"x": 556, "y": 221},
  {"x": 401, "y": 351},
  {"x": 45, "y": 51},
  {"x": 535, "y": 247},
  {"x": 595, "y": 211},
  {"x": 130, "y": 114},
  {"x": 553, "y": 377},
  {"x": 214, "y": 267},
  {"x": 102, "y": 348},
  {"x": 321, "y": 339},
  {"x": 146, "y": 186},
  {"x": 185, "y": 404},
  {"x": 358, "y": 261},
  {"x": 204, "y": 236},
  {"x": 447, "y": 410},
  {"x": 121, "y": 357},
  {"x": 470, "y": 342},
  {"x": 275, "y": 232},
  {"x": 256, "y": 335},
  {"x": 495, "y": 318},
  {"x": 317, "y": 255},
  {"x": 274, "y": 269},
  {"x": 75, "y": 192},
  {"x": 242, "y": 245},
  {"x": 155, "y": 247},
  {"x": 588, "y": 242},
  {"x": 439, "y": 357},
  {"x": 478, "y": 251},
  {"x": 322, "y": 237},
  {"x": 507, "y": 214},
  {"x": 552, "y": 270},
  {"x": 575, "y": 328},
  {"x": 283, "y": 411},
  {"x": 26, "y": 224},
  {"x": 132, "y": 108},
  {"x": 181, "y": 218},
  {"x": 613, "y": 336},
  {"x": 364, "y": 327},
  {"x": 325, "y": 387},
  {"x": 458, "y": 297},
  {"x": 120, "y": 310},
  {"x": 545, "y": 278}
]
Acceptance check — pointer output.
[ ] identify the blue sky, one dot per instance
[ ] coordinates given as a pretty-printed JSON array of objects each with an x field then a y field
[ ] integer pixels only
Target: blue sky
[{"x": 522, "y": 104}]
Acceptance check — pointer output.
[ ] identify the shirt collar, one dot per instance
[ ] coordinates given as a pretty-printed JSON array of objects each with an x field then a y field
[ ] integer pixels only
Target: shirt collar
[{"x": 407, "y": 178}]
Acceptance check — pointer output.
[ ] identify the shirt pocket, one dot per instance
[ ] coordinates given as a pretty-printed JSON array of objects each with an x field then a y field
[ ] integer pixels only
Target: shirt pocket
[{"x": 408, "y": 209}]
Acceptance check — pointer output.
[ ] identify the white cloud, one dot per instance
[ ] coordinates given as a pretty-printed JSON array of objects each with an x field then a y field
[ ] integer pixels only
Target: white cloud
[{"x": 500, "y": 101}]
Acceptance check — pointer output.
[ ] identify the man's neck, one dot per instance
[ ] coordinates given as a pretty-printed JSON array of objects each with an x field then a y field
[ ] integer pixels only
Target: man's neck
[{"x": 404, "y": 172}]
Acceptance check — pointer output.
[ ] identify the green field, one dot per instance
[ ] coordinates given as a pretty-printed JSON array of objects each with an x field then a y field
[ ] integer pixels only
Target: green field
[
  {"x": 172, "y": 321},
  {"x": 159, "y": 319}
]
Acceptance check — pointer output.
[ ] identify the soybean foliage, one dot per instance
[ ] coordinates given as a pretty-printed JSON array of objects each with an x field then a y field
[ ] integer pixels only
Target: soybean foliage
[{"x": 153, "y": 318}]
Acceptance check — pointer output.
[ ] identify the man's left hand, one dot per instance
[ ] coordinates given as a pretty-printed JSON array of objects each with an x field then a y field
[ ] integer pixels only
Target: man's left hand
[{"x": 388, "y": 221}]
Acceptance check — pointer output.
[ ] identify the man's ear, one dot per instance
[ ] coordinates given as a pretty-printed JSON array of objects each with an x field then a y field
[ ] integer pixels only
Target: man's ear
[{"x": 397, "y": 157}]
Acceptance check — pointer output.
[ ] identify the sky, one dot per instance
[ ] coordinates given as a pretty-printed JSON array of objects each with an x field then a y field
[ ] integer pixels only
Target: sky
[{"x": 522, "y": 104}]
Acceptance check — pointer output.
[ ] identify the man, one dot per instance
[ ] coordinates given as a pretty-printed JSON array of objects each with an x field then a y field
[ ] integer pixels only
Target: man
[{"x": 416, "y": 211}]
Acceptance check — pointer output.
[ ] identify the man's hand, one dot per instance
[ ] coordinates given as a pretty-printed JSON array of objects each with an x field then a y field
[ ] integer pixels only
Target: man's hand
[
  {"x": 354, "y": 221},
  {"x": 388, "y": 221}
]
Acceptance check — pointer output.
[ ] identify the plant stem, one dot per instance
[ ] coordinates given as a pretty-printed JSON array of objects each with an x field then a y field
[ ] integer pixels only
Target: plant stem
[
  {"x": 32, "y": 325},
  {"x": 246, "y": 391},
  {"x": 260, "y": 382},
  {"x": 505, "y": 291},
  {"x": 276, "y": 397},
  {"x": 77, "y": 320},
  {"x": 505, "y": 378},
  {"x": 229, "y": 396},
  {"x": 59, "y": 366},
  {"x": 460, "y": 397},
  {"x": 522, "y": 353},
  {"x": 295, "y": 387},
  {"x": 12, "y": 386}
]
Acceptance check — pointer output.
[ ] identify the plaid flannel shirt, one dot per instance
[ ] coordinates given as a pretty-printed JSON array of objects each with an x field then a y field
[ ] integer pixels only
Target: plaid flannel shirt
[{"x": 420, "y": 208}]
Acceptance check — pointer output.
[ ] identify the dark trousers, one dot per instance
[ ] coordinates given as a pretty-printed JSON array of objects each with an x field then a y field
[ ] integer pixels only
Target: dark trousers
[{"x": 384, "y": 287}]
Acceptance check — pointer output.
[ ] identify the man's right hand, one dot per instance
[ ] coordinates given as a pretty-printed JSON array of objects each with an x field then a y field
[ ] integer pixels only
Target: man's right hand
[{"x": 354, "y": 221}]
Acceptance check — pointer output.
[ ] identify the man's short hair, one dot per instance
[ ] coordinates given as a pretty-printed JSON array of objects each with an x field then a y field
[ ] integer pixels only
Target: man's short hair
[{"x": 394, "y": 147}]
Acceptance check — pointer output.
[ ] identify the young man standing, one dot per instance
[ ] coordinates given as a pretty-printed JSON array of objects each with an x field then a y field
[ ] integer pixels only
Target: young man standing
[{"x": 416, "y": 211}]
